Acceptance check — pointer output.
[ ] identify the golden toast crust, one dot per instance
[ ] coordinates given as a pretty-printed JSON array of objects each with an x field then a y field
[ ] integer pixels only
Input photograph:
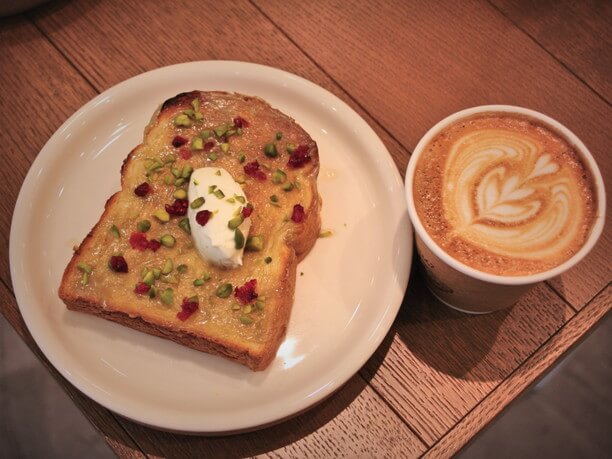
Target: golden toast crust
[{"x": 215, "y": 327}]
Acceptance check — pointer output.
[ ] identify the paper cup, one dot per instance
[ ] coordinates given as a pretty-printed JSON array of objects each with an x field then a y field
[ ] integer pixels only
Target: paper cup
[{"x": 470, "y": 290}]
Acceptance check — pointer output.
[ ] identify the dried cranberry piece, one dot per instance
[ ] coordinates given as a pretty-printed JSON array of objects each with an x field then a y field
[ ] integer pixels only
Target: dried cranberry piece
[
  {"x": 299, "y": 157},
  {"x": 154, "y": 244},
  {"x": 118, "y": 264},
  {"x": 178, "y": 141},
  {"x": 203, "y": 216},
  {"x": 139, "y": 241},
  {"x": 142, "y": 288},
  {"x": 187, "y": 309},
  {"x": 247, "y": 211},
  {"x": 298, "y": 213},
  {"x": 179, "y": 207},
  {"x": 246, "y": 294},
  {"x": 252, "y": 170},
  {"x": 142, "y": 189},
  {"x": 209, "y": 145},
  {"x": 240, "y": 122},
  {"x": 185, "y": 153}
]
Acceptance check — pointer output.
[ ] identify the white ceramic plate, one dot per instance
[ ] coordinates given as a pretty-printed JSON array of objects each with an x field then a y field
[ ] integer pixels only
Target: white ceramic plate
[{"x": 346, "y": 300}]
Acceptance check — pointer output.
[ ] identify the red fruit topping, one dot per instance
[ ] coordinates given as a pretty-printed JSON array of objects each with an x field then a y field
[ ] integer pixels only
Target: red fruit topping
[
  {"x": 209, "y": 145},
  {"x": 298, "y": 214},
  {"x": 142, "y": 189},
  {"x": 178, "y": 141},
  {"x": 246, "y": 294},
  {"x": 252, "y": 170},
  {"x": 299, "y": 157},
  {"x": 154, "y": 244},
  {"x": 185, "y": 153},
  {"x": 139, "y": 241},
  {"x": 187, "y": 309},
  {"x": 118, "y": 264},
  {"x": 142, "y": 288},
  {"x": 247, "y": 211},
  {"x": 179, "y": 207},
  {"x": 240, "y": 122},
  {"x": 203, "y": 216}
]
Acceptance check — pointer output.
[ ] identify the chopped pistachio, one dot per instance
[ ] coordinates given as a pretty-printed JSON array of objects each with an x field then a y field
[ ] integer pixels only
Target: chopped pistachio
[
  {"x": 184, "y": 225},
  {"x": 230, "y": 132},
  {"x": 167, "y": 267},
  {"x": 288, "y": 186},
  {"x": 326, "y": 233},
  {"x": 189, "y": 112},
  {"x": 259, "y": 305},
  {"x": 225, "y": 147},
  {"x": 198, "y": 116},
  {"x": 182, "y": 269},
  {"x": 278, "y": 176},
  {"x": 254, "y": 243},
  {"x": 162, "y": 215},
  {"x": 268, "y": 260},
  {"x": 179, "y": 181},
  {"x": 240, "y": 199},
  {"x": 235, "y": 307},
  {"x": 143, "y": 226},
  {"x": 219, "y": 194},
  {"x": 198, "y": 202},
  {"x": 167, "y": 296},
  {"x": 247, "y": 309},
  {"x": 85, "y": 278},
  {"x": 239, "y": 239},
  {"x": 169, "y": 160},
  {"x": 291, "y": 148},
  {"x": 182, "y": 120},
  {"x": 115, "y": 231},
  {"x": 198, "y": 282},
  {"x": 274, "y": 200},
  {"x": 205, "y": 134},
  {"x": 176, "y": 172},
  {"x": 212, "y": 156},
  {"x": 224, "y": 290},
  {"x": 180, "y": 194},
  {"x": 246, "y": 320},
  {"x": 197, "y": 143},
  {"x": 195, "y": 103},
  {"x": 270, "y": 150},
  {"x": 211, "y": 188},
  {"x": 152, "y": 292},
  {"x": 241, "y": 179},
  {"x": 156, "y": 272},
  {"x": 241, "y": 157},
  {"x": 218, "y": 173},
  {"x": 187, "y": 171},
  {"x": 84, "y": 267},
  {"x": 235, "y": 222},
  {"x": 279, "y": 135},
  {"x": 231, "y": 200},
  {"x": 170, "y": 279},
  {"x": 168, "y": 179},
  {"x": 220, "y": 130},
  {"x": 167, "y": 240},
  {"x": 149, "y": 278},
  {"x": 206, "y": 276}
]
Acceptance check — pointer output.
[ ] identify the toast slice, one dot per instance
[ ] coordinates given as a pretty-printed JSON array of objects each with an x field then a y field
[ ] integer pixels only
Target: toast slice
[{"x": 117, "y": 272}]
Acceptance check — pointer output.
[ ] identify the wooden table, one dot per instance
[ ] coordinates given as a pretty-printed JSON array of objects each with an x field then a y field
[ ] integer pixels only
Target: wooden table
[{"x": 439, "y": 376}]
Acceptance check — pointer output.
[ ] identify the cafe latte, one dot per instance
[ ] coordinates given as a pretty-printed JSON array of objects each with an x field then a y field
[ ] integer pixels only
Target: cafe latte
[{"x": 504, "y": 194}]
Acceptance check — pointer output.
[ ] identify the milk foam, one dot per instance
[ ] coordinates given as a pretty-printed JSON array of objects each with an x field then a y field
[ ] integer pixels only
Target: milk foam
[{"x": 505, "y": 190}]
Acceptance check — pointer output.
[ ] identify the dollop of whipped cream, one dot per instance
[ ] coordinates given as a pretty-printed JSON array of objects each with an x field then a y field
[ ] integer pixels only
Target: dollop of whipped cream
[{"x": 217, "y": 240}]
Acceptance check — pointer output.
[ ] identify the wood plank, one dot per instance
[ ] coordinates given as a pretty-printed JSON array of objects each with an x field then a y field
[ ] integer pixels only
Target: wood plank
[
  {"x": 354, "y": 422},
  {"x": 576, "y": 33},
  {"x": 438, "y": 364},
  {"x": 409, "y": 64},
  {"x": 102, "y": 419},
  {"x": 40, "y": 90},
  {"x": 528, "y": 373},
  {"x": 92, "y": 32}
]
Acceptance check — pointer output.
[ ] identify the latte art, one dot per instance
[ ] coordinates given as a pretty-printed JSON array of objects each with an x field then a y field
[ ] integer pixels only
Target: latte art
[{"x": 504, "y": 195}]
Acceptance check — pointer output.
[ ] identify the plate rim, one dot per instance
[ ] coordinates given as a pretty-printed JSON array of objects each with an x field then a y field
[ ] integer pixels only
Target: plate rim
[{"x": 46, "y": 154}]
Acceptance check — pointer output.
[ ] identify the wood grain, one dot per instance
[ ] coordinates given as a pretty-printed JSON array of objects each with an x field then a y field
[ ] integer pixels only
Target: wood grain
[
  {"x": 525, "y": 375},
  {"x": 102, "y": 419},
  {"x": 39, "y": 91},
  {"x": 576, "y": 33},
  {"x": 439, "y": 364},
  {"x": 354, "y": 422},
  {"x": 91, "y": 32},
  {"x": 409, "y": 64}
]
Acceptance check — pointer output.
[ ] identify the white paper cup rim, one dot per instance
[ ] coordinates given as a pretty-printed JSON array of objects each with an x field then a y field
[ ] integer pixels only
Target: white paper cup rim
[{"x": 559, "y": 128}]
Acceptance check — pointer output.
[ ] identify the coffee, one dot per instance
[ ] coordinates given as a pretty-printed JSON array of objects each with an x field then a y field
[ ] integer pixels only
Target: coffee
[{"x": 504, "y": 194}]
